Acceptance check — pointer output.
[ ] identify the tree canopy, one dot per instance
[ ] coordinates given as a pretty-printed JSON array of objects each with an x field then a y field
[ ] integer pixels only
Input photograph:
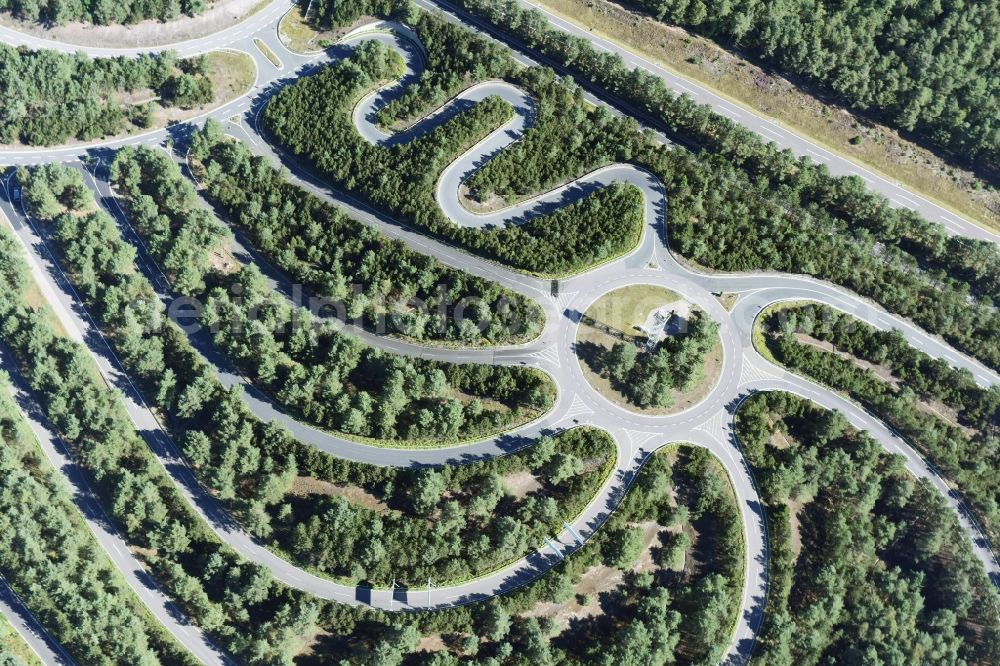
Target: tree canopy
[
  {"x": 48, "y": 97},
  {"x": 100, "y": 12},
  {"x": 926, "y": 67},
  {"x": 884, "y": 572}
]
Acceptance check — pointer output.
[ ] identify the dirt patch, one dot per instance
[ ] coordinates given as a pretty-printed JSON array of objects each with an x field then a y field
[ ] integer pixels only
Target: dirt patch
[
  {"x": 592, "y": 583},
  {"x": 691, "y": 562},
  {"x": 311, "y": 642},
  {"x": 232, "y": 74},
  {"x": 521, "y": 484},
  {"x": 490, "y": 204},
  {"x": 948, "y": 413},
  {"x": 431, "y": 643},
  {"x": 600, "y": 579},
  {"x": 298, "y": 36},
  {"x": 778, "y": 438},
  {"x": 304, "y": 486},
  {"x": 223, "y": 261},
  {"x": 221, "y": 15},
  {"x": 650, "y": 539},
  {"x": 794, "y": 506}
]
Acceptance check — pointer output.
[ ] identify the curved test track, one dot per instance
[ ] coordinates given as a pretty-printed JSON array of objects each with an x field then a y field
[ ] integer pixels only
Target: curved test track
[{"x": 708, "y": 424}]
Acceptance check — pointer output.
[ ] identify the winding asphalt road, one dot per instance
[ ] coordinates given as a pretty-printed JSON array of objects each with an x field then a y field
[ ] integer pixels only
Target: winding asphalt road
[
  {"x": 768, "y": 130},
  {"x": 707, "y": 424}
]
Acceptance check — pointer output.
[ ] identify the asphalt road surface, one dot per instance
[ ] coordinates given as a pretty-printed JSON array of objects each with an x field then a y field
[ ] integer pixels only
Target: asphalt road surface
[{"x": 708, "y": 424}]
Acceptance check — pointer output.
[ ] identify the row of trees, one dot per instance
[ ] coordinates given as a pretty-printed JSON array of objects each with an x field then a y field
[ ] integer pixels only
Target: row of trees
[
  {"x": 965, "y": 452},
  {"x": 48, "y": 97},
  {"x": 341, "y": 383},
  {"x": 101, "y": 12},
  {"x": 235, "y": 601},
  {"x": 649, "y": 376},
  {"x": 455, "y": 60},
  {"x": 55, "y": 565},
  {"x": 325, "y": 376},
  {"x": 180, "y": 235},
  {"x": 252, "y": 466},
  {"x": 742, "y": 204},
  {"x": 885, "y": 572},
  {"x": 401, "y": 179},
  {"x": 660, "y": 615},
  {"x": 261, "y": 621},
  {"x": 445, "y": 523},
  {"x": 929, "y": 377},
  {"x": 351, "y": 264},
  {"x": 927, "y": 67}
]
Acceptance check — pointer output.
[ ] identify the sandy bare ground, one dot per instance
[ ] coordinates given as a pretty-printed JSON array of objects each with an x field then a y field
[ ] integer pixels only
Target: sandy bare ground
[
  {"x": 305, "y": 486},
  {"x": 222, "y": 14},
  {"x": 521, "y": 484}
]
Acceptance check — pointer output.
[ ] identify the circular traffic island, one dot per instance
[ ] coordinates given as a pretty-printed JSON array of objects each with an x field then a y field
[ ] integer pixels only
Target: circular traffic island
[{"x": 649, "y": 350}]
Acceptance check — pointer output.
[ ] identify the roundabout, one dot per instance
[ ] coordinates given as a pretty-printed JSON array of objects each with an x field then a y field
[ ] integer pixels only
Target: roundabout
[
  {"x": 625, "y": 329},
  {"x": 583, "y": 313}
]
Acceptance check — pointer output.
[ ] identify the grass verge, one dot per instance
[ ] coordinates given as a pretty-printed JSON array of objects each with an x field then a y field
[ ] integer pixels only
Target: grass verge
[
  {"x": 233, "y": 73},
  {"x": 268, "y": 53},
  {"x": 858, "y": 139},
  {"x": 12, "y": 644}
]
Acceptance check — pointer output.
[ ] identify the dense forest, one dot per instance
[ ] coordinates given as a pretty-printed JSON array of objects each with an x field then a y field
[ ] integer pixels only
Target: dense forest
[
  {"x": 925, "y": 67},
  {"x": 251, "y": 465},
  {"x": 308, "y": 365},
  {"x": 909, "y": 390},
  {"x": 48, "y": 97},
  {"x": 867, "y": 564},
  {"x": 55, "y": 564},
  {"x": 351, "y": 265},
  {"x": 401, "y": 179},
  {"x": 449, "y": 523},
  {"x": 686, "y": 607},
  {"x": 281, "y": 488},
  {"x": 669, "y": 564},
  {"x": 648, "y": 375},
  {"x": 701, "y": 601},
  {"x": 100, "y": 12},
  {"x": 742, "y": 204},
  {"x": 238, "y": 603},
  {"x": 340, "y": 383}
]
